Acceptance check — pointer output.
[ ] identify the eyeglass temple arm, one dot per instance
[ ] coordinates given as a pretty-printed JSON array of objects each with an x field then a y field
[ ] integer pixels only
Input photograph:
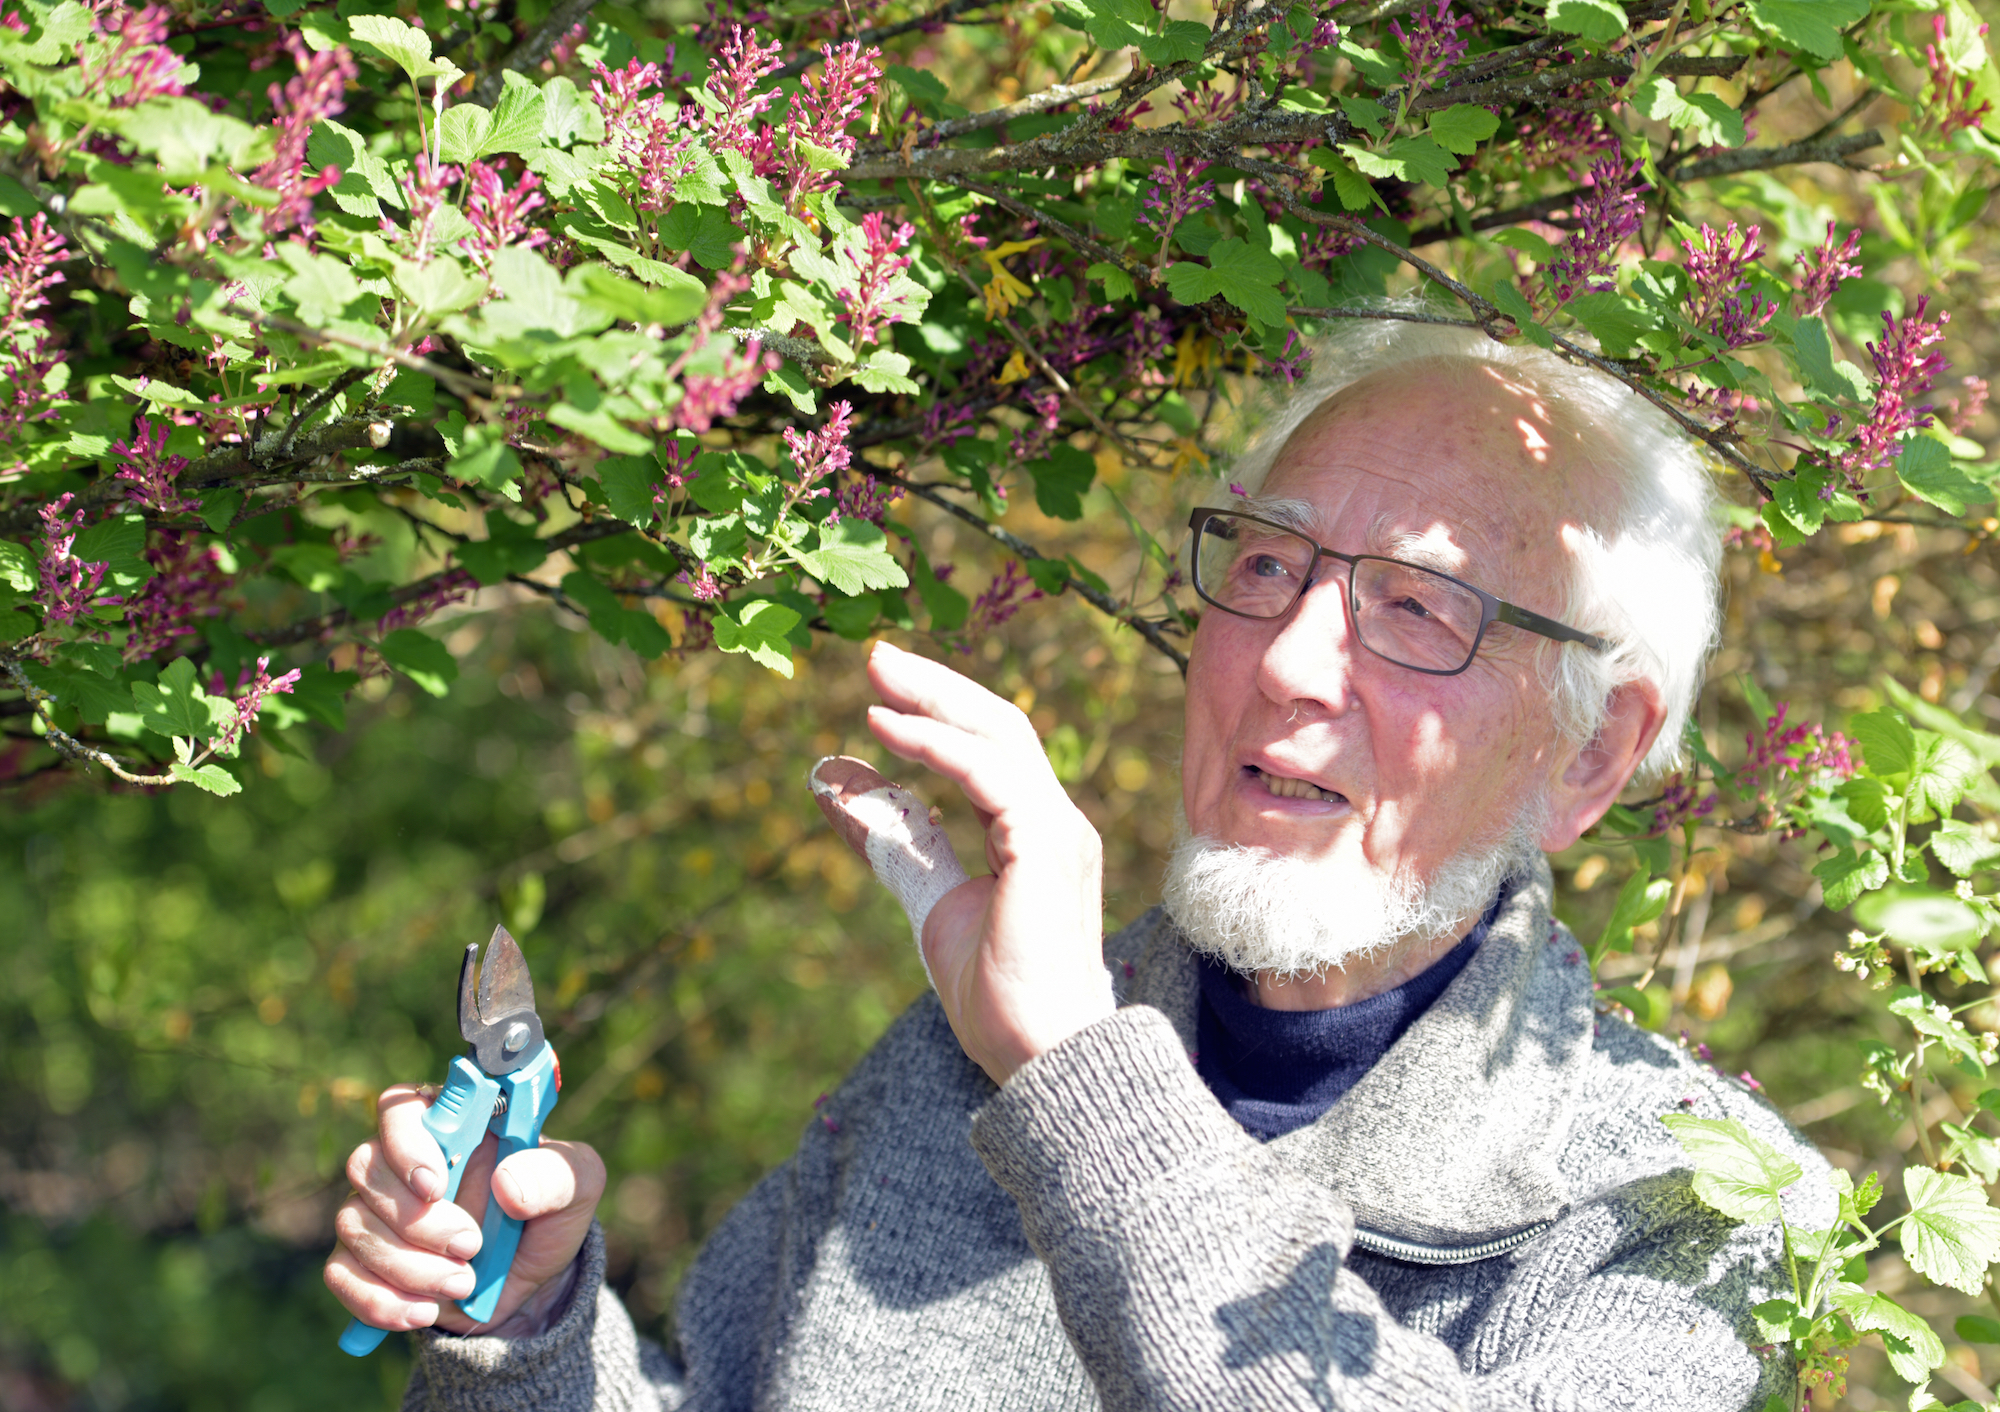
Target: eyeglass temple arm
[{"x": 1549, "y": 627}]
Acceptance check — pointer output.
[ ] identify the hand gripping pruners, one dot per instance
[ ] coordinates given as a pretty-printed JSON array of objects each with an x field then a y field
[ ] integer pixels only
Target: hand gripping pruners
[{"x": 506, "y": 1085}]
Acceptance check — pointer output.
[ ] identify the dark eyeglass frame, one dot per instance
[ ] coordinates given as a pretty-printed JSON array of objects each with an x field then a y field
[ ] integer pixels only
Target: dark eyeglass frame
[{"x": 1491, "y": 610}]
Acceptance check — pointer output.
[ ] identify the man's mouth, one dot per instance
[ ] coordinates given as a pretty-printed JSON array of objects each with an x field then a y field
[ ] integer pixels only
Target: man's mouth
[{"x": 1294, "y": 789}]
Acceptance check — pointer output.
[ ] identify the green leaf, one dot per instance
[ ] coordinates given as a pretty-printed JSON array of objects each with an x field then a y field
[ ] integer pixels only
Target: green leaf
[
  {"x": 211, "y": 777},
  {"x": 483, "y": 457},
  {"x": 321, "y": 285},
  {"x": 1928, "y": 919},
  {"x": 1613, "y": 320},
  {"x": 762, "y": 629},
  {"x": 1963, "y": 848},
  {"x": 1914, "y": 1350},
  {"x": 1462, "y": 127},
  {"x": 674, "y": 298},
  {"x": 1640, "y": 900},
  {"x": 1813, "y": 354},
  {"x": 19, "y": 568},
  {"x": 462, "y": 131},
  {"x": 1846, "y": 875},
  {"x": 1975, "y": 1328},
  {"x": 94, "y": 698},
  {"x": 402, "y": 44},
  {"x": 1708, "y": 118},
  {"x": 1810, "y": 25},
  {"x": 1061, "y": 478},
  {"x": 176, "y": 705},
  {"x": 852, "y": 618},
  {"x": 704, "y": 231},
  {"x": 1117, "y": 284},
  {"x": 853, "y": 556},
  {"x": 791, "y": 383},
  {"x": 1951, "y": 1235},
  {"x": 1926, "y": 469},
  {"x": 629, "y": 485},
  {"x": 1647, "y": 1012},
  {"x": 517, "y": 120},
  {"x": 1244, "y": 275},
  {"x": 1940, "y": 773},
  {"x": 421, "y": 658},
  {"x": 1888, "y": 746},
  {"x": 946, "y": 605},
  {"x": 1600, "y": 21},
  {"x": 1183, "y": 42},
  {"x": 1405, "y": 159},
  {"x": 1350, "y": 186},
  {"x": 1734, "y": 1172},
  {"x": 566, "y": 117}
]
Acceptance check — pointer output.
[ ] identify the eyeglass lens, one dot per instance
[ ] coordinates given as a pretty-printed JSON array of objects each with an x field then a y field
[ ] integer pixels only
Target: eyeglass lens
[{"x": 1409, "y": 615}]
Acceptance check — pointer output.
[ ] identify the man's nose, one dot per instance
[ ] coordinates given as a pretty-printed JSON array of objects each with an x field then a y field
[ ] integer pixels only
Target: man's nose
[{"x": 1312, "y": 656}]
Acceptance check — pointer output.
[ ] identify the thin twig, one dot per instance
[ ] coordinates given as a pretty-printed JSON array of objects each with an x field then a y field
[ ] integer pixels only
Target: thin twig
[
  {"x": 942, "y": 15},
  {"x": 61, "y": 739},
  {"x": 1103, "y": 602}
]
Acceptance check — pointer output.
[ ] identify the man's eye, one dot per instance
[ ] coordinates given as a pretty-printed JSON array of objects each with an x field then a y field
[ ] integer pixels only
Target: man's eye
[
  {"x": 1409, "y": 605},
  {"x": 1267, "y": 566}
]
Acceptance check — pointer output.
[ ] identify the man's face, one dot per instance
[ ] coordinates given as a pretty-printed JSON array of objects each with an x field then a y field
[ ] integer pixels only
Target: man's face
[{"x": 1301, "y": 742}]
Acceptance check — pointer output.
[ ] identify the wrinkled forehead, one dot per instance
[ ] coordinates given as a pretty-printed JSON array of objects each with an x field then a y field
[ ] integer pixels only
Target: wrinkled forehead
[{"x": 1452, "y": 463}]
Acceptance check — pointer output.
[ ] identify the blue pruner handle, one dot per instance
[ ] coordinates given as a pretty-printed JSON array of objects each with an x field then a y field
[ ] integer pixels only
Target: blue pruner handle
[
  {"x": 457, "y": 1120},
  {"x": 531, "y": 1093}
]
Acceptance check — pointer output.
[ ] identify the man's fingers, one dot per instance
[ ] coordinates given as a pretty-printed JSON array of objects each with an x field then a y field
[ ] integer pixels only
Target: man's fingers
[
  {"x": 918, "y": 686},
  {"x": 993, "y": 774},
  {"x": 549, "y": 1179},
  {"x": 372, "y": 1299},
  {"x": 441, "y": 1226},
  {"x": 378, "y": 1248},
  {"x": 409, "y": 1149}
]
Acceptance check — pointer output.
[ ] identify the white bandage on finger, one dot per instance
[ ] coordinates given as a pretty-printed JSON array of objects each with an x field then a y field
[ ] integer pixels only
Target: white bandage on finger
[{"x": 893, "y": 829}]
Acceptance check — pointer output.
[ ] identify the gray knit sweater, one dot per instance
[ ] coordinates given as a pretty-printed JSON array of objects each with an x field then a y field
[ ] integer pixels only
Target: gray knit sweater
[{"x": 1494, "y": 1217}]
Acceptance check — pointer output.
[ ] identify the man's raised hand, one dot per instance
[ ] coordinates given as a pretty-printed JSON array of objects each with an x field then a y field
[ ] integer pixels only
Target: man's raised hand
[
  {"x": 1018, "y": 957},
  {"x": 403, "y": 1255}
]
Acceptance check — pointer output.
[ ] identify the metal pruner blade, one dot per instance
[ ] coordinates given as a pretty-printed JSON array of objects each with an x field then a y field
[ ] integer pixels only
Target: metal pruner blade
[{"x": 496, "y": 1011}]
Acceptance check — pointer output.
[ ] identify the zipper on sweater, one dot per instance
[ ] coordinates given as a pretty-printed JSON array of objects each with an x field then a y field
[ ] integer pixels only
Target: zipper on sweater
[{"x": 1412, "y": 1253}]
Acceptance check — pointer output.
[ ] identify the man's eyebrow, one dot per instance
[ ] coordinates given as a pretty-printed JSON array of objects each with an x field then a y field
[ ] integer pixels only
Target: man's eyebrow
[
  {"x": 1412, "y": 548},
  {"x": 1298, "y": 516}
]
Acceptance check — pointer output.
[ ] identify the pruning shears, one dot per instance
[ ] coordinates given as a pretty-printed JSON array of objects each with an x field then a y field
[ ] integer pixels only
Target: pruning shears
[{"x": 506, "y": 1085}]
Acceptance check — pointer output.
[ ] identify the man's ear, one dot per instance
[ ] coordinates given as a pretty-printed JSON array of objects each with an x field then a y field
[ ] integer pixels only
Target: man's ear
[{"x": 1597, "y": 773}]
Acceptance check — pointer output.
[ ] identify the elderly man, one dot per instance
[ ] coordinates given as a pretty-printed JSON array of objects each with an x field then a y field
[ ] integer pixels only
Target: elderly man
[{"x": 1336, "y": 1128}]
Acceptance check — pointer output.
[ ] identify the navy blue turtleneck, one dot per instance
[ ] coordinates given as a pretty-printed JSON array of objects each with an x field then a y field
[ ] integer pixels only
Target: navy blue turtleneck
[{"x": 1277, "y": 1070}]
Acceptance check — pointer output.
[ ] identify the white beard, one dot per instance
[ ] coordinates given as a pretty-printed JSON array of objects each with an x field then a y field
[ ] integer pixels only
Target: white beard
[{"x": 1261, "y": 912}]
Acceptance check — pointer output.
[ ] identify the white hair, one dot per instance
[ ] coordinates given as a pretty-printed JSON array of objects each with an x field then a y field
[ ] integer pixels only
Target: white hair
[
  {"x": 1275, "y": 914},
  {"x": 1646, "y": 577}
]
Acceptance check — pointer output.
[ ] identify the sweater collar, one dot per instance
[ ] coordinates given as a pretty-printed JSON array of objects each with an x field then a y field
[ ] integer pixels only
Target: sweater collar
[{"x": 1452, "y": 1139}]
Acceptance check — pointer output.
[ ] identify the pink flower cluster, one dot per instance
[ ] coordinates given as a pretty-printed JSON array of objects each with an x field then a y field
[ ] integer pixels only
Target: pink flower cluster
[
  {"x": 1950, "y": 92},
  {"x": 1569, "y": 131},
  {"x": 1906, "y": 367},
  {"x": 1782, "y": 760},
  {"x": 255, "y": 686},
  {"x": 869, "y": 304},
  {"x": 1606, "y": 218},
  {"x": 1433, "y": 45},
  {"x": 499, "y": 216},
  {"x": 28, "y": 350},
  {"x": 1010, "y": 591},
  {"x": 68, "y": 584},
  {"x": 740, "y": 66},
  {"x": 707, "y": 397},
  {"x": 829, "y": 100},
  {"x": 137, "y": 64},
  {"x": 151, "y": 471},
  {"x": 312, "y": 95},
  {"x": 1681, "y": 803},
  {"x": 863, "y": 498},
  {"x": 187, "y": 584},
  {"x": 820, "y": 455},
  {"x": 1175, "y": 193},
  {"x": 447, "y": 588},
  {"x": 426, "y": 188},
  {"x": 1718, "y": 267},
  {"x": 1825, "y": 267},
  {"x": 654, "y": 138}
]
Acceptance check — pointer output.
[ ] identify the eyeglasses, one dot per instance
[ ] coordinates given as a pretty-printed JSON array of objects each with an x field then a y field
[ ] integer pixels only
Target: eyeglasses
[{"x": 1415, "y": 617}]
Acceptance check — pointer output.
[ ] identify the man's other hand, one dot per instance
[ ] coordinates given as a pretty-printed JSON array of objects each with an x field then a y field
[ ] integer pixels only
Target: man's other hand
[
  {"x": 1018, "y": 957},
  {"x": 404, "y": 1255}
]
